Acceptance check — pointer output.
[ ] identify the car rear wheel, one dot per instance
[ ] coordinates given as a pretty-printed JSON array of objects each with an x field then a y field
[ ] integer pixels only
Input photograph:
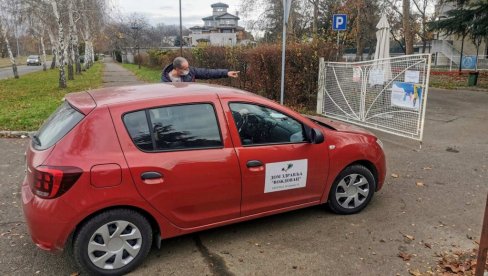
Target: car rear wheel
[
  {"x": 352, "y": 190},
  {"x": 113, "y": 242}
]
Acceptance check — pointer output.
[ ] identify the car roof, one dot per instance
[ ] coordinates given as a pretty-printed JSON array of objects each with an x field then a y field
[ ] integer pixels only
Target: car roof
[{"x": 139, "y": 93}]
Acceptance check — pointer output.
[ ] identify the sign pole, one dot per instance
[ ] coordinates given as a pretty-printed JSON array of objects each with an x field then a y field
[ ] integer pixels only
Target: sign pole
[
  {"x": 339, "y": 23},
  {"x": 337, "y": 54}
]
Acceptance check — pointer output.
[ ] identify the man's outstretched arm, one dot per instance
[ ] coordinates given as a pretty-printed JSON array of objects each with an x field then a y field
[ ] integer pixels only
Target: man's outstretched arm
[{"x": 206, "y": 73}]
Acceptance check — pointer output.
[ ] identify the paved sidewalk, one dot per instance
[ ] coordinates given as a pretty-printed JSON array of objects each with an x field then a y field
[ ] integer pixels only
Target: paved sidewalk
[{"x": 116, "y": 75}]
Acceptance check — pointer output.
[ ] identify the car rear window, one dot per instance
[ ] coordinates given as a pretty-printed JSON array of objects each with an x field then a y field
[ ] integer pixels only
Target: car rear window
[{"x": 57, "y": 126}]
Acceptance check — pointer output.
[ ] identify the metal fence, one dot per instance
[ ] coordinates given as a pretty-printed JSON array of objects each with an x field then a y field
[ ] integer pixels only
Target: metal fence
[
  {"x": 468, "y": 62},
  {"x": 389, "y": 95}
]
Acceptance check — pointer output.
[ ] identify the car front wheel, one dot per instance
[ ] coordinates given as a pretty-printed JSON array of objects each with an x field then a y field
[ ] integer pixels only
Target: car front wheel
[
  {"x": 113, "y": 242},
  {"x": 352, "y": 190}
]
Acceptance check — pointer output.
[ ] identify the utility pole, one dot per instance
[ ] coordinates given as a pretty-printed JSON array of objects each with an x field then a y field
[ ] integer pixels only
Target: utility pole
[
  {"x": 286, "y": 13},
  {"x": 181, "y": 35},
  {"x": 135, "y": 26}
]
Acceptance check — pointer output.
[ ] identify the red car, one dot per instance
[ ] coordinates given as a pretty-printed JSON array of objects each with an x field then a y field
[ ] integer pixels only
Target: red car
[{"x": 115, "y": 170}]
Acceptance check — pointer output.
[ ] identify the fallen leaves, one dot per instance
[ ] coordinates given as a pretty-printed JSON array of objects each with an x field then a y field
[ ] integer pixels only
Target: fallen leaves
[
  {"x": 410, "y": 237},
  {"x": 394, "y": 175},
  {"x": 458, "y": 263},
  {"x": 405, "y": 256},
  {"x": 420, "y": 184},
  {"x": 415, "y": 272}
]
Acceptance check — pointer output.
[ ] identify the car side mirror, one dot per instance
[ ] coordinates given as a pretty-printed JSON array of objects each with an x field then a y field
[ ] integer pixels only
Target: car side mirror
[{"x": 315, "y": 136}]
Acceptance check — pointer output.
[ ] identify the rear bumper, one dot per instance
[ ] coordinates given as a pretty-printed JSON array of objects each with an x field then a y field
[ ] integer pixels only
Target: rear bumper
[{"x": 48, "y": 231}]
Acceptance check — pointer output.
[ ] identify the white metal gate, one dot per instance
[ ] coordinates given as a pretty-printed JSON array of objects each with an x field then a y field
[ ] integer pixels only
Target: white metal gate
[{"x": 389, "y": 95}]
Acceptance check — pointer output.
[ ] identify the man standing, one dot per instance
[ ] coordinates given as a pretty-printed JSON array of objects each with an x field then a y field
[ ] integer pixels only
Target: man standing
[{"x": 180, "y": 71}]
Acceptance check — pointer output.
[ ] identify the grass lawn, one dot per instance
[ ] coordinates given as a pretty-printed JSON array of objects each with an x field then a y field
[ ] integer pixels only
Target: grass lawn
[
  {"x": 26, "y": 102},
  {"x": 145, "y": 73}
]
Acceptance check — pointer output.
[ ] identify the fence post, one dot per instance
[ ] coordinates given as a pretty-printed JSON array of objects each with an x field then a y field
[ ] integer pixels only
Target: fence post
[
  {"x": 321, "y": 87},
  {"x": 483, "y": 248}
]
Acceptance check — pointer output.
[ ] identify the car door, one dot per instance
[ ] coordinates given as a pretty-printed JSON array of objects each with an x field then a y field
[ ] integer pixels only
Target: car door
[
  {"x": 280, "y": 168},
  {"x": 182, "y": 161}
]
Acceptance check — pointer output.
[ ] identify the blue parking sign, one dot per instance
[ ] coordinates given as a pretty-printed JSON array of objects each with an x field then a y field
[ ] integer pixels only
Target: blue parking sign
[{"x": 339, "y": 22}]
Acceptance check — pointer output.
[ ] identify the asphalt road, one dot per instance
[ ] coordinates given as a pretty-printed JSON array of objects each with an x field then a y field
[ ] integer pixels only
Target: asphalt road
[
  {"x": 445, "y": 212},
  {"x": 6, "y": 72}
]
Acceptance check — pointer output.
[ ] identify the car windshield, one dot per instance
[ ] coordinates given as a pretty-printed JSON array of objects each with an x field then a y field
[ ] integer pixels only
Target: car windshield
[{"x": 33, "y": 56}]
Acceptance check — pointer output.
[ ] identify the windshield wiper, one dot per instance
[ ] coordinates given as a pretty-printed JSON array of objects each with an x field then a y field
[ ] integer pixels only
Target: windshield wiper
[{"x": 36, "y": 140}]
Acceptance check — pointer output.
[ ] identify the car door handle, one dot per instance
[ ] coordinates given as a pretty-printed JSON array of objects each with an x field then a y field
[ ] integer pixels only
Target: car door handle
[
  {"x": 151, "y": 175},
  {"x": 254, "y": 163}
]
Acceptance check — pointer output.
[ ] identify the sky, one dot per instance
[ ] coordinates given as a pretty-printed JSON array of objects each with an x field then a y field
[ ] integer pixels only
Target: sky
[{"x": 167, "y": 11}]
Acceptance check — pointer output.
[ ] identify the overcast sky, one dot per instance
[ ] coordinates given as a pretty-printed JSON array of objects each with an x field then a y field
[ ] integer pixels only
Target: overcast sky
[{"x": 167, "y": 12}]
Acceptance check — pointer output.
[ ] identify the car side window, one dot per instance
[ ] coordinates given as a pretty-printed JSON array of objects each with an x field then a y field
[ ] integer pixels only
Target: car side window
[
  {"x": 188, "y": 126},
  {"x": 136, "y": 124},
  {"x": 258, "y": 125}
]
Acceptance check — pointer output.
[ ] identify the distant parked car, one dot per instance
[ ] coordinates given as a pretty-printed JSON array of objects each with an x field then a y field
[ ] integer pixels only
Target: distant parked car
[{"x": 33, "y": 60}]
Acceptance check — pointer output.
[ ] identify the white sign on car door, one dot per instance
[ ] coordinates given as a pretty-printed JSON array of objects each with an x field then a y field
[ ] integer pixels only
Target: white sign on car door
[{"x": 286, "y": 175}]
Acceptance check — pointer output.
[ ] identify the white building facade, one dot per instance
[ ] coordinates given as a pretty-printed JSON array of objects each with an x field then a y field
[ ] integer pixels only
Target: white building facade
[{"x": 218, "y": 29}]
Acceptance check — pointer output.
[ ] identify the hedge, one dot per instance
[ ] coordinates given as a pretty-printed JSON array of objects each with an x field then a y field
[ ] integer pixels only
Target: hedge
[{"x": 260, "y": 68}]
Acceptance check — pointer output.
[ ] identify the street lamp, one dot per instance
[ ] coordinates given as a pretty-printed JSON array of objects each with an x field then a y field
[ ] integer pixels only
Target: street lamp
[
  {"x": 136, "y": 27},
  {"x": 181, "y": 35}
]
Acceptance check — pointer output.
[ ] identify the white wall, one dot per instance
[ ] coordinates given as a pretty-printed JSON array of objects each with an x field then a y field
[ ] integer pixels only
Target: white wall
[{"x": 217, "y": 39}]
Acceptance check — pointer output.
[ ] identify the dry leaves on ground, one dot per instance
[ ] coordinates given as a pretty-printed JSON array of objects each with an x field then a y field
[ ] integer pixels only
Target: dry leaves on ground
[
  {"x": 458, "y": 263},
  {"x": 405, "y": 256}
]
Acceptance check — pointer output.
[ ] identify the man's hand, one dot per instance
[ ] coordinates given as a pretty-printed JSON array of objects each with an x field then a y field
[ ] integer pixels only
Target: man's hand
[{"x": 233, "y": 74}]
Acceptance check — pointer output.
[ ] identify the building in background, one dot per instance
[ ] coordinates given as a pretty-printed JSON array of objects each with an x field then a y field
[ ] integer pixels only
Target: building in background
[
  {"x": 219, "y": 29},
  {"x": 447, "y": 48}
]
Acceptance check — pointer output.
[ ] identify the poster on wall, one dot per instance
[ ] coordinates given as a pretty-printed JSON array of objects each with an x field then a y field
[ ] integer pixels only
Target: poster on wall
[
  {"x": 407, "y": 95},
  {"x": 286, "y": 175},
  {"x": 469, "y": 62}
]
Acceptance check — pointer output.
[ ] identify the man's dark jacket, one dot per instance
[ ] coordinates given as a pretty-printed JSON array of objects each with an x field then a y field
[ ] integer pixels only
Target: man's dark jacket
[{"x": 195, "y": 73}]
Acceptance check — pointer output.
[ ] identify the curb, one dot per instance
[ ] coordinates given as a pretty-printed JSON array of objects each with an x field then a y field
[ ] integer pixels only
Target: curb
[{"x": 16, "y": 134}]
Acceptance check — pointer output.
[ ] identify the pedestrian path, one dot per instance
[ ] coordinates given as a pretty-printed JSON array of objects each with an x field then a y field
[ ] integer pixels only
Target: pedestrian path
[{"x": 116, "y": 75}]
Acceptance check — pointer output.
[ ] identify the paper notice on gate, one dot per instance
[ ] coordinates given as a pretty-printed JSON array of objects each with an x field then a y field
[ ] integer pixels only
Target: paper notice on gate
[
  {"x": 376, "y": 76},
  {"x": 281, "y": 176},
  {"x": 356, "y": 74},
  {"x": 412, "y": 76}
]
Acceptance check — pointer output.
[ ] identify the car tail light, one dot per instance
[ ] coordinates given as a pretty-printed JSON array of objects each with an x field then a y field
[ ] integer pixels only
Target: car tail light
[{"x": 51, "y": 182}]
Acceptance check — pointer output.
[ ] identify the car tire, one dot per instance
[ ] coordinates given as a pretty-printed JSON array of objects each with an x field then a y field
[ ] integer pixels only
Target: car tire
[
  {"x": 102, "y": 245},
  {"x": 352, "y": 190}
]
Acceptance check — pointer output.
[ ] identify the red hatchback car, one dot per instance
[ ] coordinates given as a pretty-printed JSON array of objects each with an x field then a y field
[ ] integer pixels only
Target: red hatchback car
[{"x": 115, "y": 170}]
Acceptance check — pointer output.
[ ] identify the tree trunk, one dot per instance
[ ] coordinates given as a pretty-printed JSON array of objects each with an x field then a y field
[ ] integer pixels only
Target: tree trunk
[
  {"x": 53, "y": 62},
  {"x": 43, "y": 48},
  {"x": 10, "y": 54},
  {"x": 70, "y": 61},
  {"x": 359, "y": 33},
  {"x": 62, "y": 76},
  {"x": 315, "y": 19},
  {"x": 86, "y": 38},
  {"x": 75, "y": 52},
  {"x": 53, "y": 47},
  {"x": 407, "y": 30},
  {"x": 461, "y": 57}
]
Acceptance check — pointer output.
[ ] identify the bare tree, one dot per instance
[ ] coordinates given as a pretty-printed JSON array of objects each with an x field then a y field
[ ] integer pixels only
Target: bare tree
[
  {"x": 61, "y": 45},
  {"x": 5, "y": 21}
]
